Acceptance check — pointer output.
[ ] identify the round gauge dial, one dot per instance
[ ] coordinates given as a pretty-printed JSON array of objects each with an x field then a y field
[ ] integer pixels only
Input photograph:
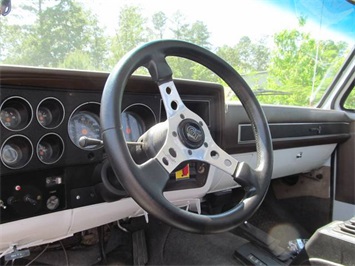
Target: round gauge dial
[
  {"x": 10, "y": 117},
  {"x": 44, "y": 151},
  {"x": 44, "y": 116},
  {"x": 50, "y": 113},
  {"x": 50, "y": 148},
  {"x": 15, "y": 113},
  {"x": 16, "y": 152},
  {"x": 84, "y": 123},
  {"x": 11, "y": 154},
  {"x": 133, "y": 126}
]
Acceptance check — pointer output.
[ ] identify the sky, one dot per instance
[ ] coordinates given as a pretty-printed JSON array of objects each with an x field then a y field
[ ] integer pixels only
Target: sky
[
  {"x": 338, "y": 15},
  {"x": 254, "y": 18}
]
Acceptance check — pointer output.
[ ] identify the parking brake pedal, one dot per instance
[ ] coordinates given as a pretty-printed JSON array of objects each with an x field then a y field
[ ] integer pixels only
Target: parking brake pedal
[{"x": 140, "y": 253}]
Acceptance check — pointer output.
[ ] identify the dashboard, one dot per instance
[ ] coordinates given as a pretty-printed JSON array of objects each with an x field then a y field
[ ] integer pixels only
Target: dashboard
[
  {"x": 54, "y": 169},
  {"x": 52, "y": 156}
]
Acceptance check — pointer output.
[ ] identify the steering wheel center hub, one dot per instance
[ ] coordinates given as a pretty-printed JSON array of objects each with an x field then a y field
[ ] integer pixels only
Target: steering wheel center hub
[{"x": 191, "y": 133}]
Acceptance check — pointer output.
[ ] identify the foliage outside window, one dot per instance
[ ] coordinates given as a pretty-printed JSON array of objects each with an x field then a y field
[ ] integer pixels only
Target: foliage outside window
[
  {"x": 349, "y": 103},
  {"x": 291, "y": 67}
]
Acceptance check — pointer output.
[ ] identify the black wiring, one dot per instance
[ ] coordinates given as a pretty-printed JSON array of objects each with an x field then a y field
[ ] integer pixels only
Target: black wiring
[
  {"x": 101, "y": 244},
  {"x": 65, "y": 253},
  {"x": 39, "y": 255}
]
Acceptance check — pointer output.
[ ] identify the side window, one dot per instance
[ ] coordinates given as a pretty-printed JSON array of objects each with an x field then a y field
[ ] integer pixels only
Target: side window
[{"x": 349, "y": 102}]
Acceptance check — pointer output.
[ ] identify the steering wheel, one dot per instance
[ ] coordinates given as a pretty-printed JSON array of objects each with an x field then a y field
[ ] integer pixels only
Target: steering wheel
[{"x": 182, "y": 137}]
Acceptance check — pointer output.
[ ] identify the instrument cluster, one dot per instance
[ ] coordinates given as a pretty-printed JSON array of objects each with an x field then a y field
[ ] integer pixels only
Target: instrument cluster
[{"x": 17, "y": 114}]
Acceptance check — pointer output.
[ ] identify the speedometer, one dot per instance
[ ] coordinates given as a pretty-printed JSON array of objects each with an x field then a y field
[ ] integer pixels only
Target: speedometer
[{"x": 84, "y": 123}]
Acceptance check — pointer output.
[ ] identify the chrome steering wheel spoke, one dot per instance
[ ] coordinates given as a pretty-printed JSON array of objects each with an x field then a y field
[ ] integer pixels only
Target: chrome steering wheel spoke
[{"x": 188, "y": 137}]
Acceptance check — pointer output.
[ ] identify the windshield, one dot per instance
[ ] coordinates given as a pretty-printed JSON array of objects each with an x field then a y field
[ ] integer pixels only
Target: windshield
[{"x": 288, "y": 51}]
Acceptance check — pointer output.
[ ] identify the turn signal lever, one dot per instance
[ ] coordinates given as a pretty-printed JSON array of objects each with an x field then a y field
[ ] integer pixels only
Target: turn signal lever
[{"x": 85, "y": 141}]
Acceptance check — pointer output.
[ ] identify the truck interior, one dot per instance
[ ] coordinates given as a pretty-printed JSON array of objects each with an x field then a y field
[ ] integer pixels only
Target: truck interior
[{"x": 136, "y": 133}]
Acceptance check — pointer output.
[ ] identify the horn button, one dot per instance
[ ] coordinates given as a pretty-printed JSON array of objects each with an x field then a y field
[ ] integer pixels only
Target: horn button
[{"x": 191, "y": 133}]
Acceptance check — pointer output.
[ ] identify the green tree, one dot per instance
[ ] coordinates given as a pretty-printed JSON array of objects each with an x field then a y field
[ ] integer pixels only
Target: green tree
[
  {"x": 350, "y": 99},
  {"x": 196, "y": 33},
  {"x": 130, "y": 33},
  {"x": 159, "y": 20},
  {"x": 10, "y": 36},
  {"x": 179, "y": 26},
  {"x": 246, "y": 56},
  {"x": 260, "y": 55},
  {"x": 55, "y": 34},
  {"x": 77, "y": 60},
  {"x": 298, "y": 66}
]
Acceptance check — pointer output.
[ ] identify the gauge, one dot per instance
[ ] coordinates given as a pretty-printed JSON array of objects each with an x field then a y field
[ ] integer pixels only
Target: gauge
[
  {"x": 50, "y": 113},
  {"x": 10, "y": 117},
  {"x": 16, "y": 152},
  {"x": 16, "y": 113},
  {"x": 136, "y": 119},
  {"x": 133, "y": 126},
  {"x": 11, "y": 154},
  {"x": 44, "y": 116},
  {"x": 44, "y": 151},
  {"x": 52, "y": 203},
  {"x": 50, "y": 148},
  {"x": 84, "y": 123}
]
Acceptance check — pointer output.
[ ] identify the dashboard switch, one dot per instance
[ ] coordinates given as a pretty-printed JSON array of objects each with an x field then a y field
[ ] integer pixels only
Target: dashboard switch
[
  {"x": 53, "y": 180},
  {"x": 30, "y": 200},
  {"x": 2, "y": 205}
]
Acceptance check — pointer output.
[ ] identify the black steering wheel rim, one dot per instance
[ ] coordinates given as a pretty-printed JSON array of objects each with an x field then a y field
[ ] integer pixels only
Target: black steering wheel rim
[{"x": 147, "y": 191}]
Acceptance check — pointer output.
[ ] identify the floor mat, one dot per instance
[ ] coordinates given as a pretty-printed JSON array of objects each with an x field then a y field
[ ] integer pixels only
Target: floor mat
[
  {"x": 183, "y": 248},
  {"x": 278, "y": 221},
  {"x": 170, "y": 246}
]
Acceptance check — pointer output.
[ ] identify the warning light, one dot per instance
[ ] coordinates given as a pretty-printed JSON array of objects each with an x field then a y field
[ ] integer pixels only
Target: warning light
[
  {"x": 183, "y": 173},
  {"x": 18, "y": 188}
]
